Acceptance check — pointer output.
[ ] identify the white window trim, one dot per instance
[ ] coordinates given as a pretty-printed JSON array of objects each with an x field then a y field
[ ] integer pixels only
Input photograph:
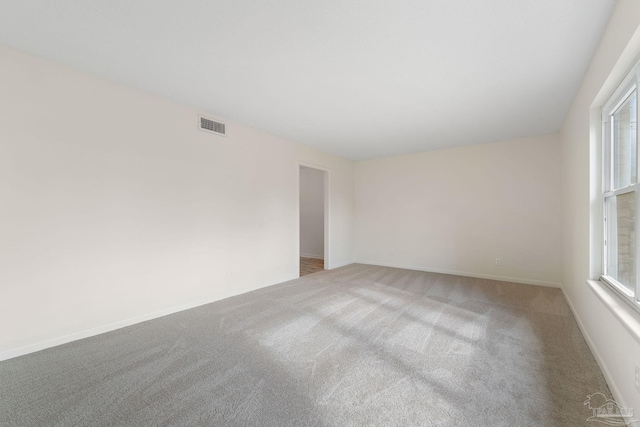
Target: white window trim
[
  {"x": 630, "y": 83},
  {"x": 624, "y": 312}
]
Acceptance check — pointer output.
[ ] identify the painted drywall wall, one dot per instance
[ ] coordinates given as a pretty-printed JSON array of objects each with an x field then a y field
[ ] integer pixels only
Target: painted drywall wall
[
  {"x": 116, "y": 208},
  {"x": 457, "y": 210},
  {"x": 311, "y": 212},
  {"x": 615, "y": 349}
]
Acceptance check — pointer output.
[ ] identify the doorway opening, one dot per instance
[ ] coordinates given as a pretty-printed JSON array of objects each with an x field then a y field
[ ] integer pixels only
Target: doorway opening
[{"x": 313, "y": 221}]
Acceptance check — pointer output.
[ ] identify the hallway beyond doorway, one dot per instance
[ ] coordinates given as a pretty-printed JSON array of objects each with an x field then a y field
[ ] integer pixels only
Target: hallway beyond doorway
[{"x": 310, "y": 265}]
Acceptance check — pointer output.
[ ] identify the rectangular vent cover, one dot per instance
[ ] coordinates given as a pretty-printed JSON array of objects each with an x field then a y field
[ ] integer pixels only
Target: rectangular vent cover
[{"x": 212, "y": 126}]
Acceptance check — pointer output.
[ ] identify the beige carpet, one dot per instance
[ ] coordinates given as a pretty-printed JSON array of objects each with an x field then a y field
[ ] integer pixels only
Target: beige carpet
[{"x": 356, "y": 346}]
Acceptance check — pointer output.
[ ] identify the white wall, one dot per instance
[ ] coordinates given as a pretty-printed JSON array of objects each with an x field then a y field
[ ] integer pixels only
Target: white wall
[
  {"x": 311, "y": 212},
  {"x": 457, "y": 210},
  {"x": 615, "y": 349},
  {"x": 116, "y": 208}
]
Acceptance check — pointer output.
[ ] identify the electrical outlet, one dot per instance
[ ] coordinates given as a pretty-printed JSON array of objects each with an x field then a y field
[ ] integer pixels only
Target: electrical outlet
[
  {"x": 638, "y": 378},
  {"x": 498, "y": 261},
  {"x": 230, "y": 273},
  {"x": 393, "y": 251}
]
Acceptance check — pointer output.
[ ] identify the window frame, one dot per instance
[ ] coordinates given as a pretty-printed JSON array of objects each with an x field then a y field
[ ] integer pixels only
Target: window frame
[{"x": 629, "y": 84}]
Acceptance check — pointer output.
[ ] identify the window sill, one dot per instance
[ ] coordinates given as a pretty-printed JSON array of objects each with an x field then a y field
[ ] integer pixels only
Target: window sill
[{"x": 629, "y": 318}]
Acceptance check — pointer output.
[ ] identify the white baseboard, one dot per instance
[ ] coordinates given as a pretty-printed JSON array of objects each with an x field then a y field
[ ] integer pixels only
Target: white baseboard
[
  {"x": 615, "y": 390},
  {"x": 311, "y": 256},
  {"x": 31, "y": 348},
  {"x": 42, "y": 345},
  {"x": 338, "y": 265},
  {"x": 465, "y": 273}
]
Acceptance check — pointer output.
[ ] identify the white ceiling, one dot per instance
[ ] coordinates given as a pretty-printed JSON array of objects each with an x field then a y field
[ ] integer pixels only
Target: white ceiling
[{"x": 358, "y": 78}]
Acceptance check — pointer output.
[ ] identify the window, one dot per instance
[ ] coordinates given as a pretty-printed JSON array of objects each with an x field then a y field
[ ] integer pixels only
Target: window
[{"x": 620, "y": 189}]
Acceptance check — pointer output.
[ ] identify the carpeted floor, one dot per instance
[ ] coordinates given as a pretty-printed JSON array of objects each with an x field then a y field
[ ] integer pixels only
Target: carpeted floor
[{"x": 356, "y": 346}]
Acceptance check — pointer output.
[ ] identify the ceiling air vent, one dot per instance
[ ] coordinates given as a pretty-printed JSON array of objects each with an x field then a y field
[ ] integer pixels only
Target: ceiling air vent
[{"x": 212, "y": 126}]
